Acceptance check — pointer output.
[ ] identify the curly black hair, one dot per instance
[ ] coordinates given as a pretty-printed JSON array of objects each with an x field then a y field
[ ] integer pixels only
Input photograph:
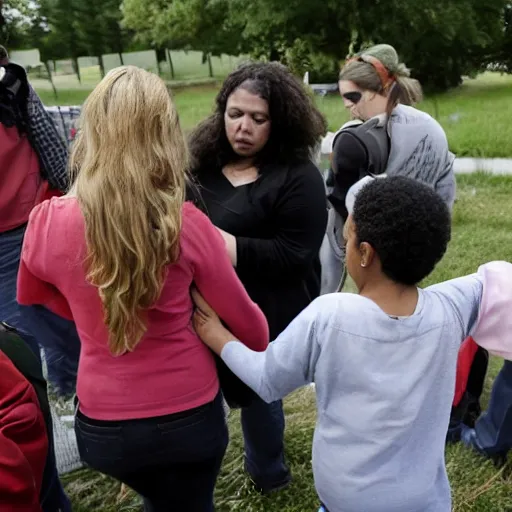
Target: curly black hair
[
  {"x": 297, "y": 125},
  {"x": 407, "y": 223}
]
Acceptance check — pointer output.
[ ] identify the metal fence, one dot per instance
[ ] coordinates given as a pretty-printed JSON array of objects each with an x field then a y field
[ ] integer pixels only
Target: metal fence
[{"x": 66, "y": 121}]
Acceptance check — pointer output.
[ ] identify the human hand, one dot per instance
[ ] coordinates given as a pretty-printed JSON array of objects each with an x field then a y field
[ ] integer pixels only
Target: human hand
[{"x": 208, "y": 325}]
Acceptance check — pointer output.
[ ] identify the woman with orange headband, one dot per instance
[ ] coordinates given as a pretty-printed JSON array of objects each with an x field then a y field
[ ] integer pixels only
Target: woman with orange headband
[{"x": 395, "y": 138}]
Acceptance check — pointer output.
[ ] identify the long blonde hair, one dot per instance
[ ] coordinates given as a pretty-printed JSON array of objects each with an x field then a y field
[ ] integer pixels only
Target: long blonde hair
[{"x": 128, "y": 165}]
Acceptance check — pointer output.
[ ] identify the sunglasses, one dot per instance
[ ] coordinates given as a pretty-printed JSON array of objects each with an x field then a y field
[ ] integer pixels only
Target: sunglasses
[{"x": 353, "y": 96}]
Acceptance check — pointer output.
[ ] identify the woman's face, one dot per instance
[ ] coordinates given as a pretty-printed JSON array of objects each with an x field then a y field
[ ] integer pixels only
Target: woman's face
[
  {"x": 360, "y": 102},
  {"x": 247, "y": 123}
]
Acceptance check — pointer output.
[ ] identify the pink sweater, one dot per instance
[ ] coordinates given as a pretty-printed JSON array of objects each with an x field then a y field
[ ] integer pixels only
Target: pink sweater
[{"x": 171, "y": 370}]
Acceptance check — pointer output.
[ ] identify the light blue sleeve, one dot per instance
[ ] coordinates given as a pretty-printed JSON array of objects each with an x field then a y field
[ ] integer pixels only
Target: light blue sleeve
[
  {"x": 288, "y": 363},
  {"x": 463, "y": 296}
]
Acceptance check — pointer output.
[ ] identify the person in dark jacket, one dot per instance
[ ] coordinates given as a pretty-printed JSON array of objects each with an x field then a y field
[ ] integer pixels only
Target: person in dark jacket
[
  {"x": 52, "y": 497},
  {"x": 256, "y": 181},
  {"x": 23, "y": 441}
]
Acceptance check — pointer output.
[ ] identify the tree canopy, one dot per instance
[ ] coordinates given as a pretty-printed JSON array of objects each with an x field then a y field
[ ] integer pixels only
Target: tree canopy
[{"x": 440, "y": 41}]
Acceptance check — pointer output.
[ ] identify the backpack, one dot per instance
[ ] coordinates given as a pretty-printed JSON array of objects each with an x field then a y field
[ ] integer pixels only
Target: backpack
[
  {"x": 13, "y": 97},
  {"x": 373, "y": 136},
  {"x": 27, "y": 363}
]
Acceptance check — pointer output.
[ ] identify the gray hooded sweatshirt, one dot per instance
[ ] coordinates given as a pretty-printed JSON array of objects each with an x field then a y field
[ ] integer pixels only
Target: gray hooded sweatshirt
[{"x": 418, "y": 150}]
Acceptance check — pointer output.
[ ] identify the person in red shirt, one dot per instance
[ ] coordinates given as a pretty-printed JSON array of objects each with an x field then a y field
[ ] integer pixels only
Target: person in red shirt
[
  {"x": 23, "y": 441},
  {"x": 33, "y": 164},
  {"x": 119, "y": 255}
]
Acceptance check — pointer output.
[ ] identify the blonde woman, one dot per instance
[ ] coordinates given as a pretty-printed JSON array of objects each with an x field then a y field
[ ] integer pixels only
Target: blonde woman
[{"x": 119, "y": 256}]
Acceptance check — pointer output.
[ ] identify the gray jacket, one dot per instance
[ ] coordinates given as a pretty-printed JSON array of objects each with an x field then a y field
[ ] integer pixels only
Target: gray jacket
[{"x": 418, "y": 150}]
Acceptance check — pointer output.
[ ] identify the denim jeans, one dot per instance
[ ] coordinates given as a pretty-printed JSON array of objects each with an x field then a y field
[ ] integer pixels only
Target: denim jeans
[
  {"x": 263, "y": 428},
  {"x": 494, "y": 428},
  {"x": 171, "y": 461},
  {"x": 59, "y": 340},
  {"x": 39, "y": 327}
]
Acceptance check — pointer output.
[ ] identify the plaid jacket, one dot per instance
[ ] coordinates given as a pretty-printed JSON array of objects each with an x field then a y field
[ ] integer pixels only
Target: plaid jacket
[{"x": 47, "y": 143}]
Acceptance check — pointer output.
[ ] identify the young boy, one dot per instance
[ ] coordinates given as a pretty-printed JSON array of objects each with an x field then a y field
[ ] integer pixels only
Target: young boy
[{"x": 383, "y": 361}]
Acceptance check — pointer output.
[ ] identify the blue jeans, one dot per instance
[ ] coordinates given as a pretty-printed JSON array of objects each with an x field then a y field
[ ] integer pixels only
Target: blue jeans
[
  {"x": 494, "y": 428},
  {"x": 263, "y": 428},
  {"x": 171, "y": 461},
  {"x": 61, "y": 345},
  {"x": 39, "y": 327}
]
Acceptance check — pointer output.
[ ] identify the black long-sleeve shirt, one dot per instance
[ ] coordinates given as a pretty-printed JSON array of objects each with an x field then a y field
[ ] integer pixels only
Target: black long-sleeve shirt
[
  {"x": 349, "y": 160},
  {"x": 279, "y": 222}
]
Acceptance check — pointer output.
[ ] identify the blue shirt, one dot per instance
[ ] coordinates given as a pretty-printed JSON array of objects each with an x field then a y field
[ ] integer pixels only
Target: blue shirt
[{"x": 384, "y": 387}]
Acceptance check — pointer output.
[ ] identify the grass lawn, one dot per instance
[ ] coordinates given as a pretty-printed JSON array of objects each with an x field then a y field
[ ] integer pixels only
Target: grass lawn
[
  {"x": 482, "y": 232},
  {"x": 475, "y": 116}
]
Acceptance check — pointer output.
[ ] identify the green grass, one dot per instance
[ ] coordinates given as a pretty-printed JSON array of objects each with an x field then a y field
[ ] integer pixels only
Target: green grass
[
  {"x": 482, "y": 231},
  {"x": 475, "y": 116}
]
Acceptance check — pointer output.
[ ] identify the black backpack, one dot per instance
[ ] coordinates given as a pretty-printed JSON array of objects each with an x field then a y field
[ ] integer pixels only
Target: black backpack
[
  {"x": 14, "y": 91},
  {"x": 373, "y": 136},
  {"x": 27, "y": 363}
]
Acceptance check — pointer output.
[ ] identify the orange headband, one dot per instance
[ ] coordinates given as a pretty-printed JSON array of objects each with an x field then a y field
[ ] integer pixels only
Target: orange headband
[{"x": 385, "y": 76}]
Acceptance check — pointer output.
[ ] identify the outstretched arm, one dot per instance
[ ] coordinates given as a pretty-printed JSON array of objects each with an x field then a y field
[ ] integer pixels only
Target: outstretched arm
[{"x": 287, "y": 364}]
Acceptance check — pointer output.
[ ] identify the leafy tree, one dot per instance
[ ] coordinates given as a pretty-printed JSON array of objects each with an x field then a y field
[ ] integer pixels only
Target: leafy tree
[
  {"x": 202, "y": 25},
  {"x": 441, "y": 41}
]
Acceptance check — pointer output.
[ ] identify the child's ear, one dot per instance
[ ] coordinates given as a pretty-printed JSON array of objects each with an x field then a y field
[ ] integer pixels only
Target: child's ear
[{"x": 367, "y": 253}]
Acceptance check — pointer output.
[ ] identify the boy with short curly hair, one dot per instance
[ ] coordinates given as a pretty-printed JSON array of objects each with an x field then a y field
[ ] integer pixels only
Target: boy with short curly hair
[{"x": 383, "y": 361}]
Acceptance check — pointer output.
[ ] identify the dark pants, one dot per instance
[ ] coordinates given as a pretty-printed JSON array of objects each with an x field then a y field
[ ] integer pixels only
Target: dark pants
[
  {"x": 59, "y": 340},
  {"x": 171, "y": 461},
  {"x": 494, "y": 428},
  {"x": 39, "y": 327},
  {"x": 263, "y": 428}
]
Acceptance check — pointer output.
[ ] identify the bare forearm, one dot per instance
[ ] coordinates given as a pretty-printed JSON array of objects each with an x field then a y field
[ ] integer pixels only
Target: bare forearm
[{"x": 230, "y": 241}]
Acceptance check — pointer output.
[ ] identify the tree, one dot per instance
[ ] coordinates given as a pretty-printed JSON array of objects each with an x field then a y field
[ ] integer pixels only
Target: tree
[
  {"x": 83, "y": 28},
  {"x": 440, "y": 41},
  {"x": 17, "y": 19},
  {"x": 191, "y": 24}
]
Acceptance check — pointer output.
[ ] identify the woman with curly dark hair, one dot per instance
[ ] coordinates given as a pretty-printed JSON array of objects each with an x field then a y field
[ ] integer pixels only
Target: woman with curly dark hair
[{"x": 252, "y": 164}]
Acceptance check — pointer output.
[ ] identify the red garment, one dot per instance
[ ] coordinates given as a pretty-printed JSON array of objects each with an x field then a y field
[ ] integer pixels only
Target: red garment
[
  {"x": 51, "y": 192},
  {"x": 170, "y": 370},
  {"x": 23, "y": 441},
  {"x": 22, "y": 184},
  {"x": 467, "y": 354}
]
